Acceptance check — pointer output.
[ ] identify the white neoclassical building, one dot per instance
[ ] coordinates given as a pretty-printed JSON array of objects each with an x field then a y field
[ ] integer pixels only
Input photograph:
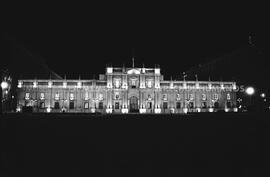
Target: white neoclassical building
[{"x": 126, "y": 90}]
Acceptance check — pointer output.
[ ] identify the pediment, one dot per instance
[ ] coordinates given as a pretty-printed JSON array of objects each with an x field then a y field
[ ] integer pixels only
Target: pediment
[{"x": 133, "y": 71}]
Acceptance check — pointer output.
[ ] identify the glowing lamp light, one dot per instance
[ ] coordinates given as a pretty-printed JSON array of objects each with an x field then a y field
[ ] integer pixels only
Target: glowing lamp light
[
  {"x": 211, "y": 109},
  {"x": 234, "y": 87},
  {"x": 185, "y": 110},
  {"x": 235, "y": 109},
  {"x": 250, "y": 90},
  {"x": 124, "y": 110},
  {"x": 198, "y": 109},
  {"x": 226, "y": 109},
  {"x": 4, "y": 85},
  {"x": 109, "y": 110},
  {"x": 18, "y": 109},
  {"x": 263, "y": 95},
  {"x": 210, "y": 86},
  {"x": 157, "y": 110},
  {"x": 143, "y": 110},
  {"x": 48, "y": 109},
  {"x": 93, "y": 110}
]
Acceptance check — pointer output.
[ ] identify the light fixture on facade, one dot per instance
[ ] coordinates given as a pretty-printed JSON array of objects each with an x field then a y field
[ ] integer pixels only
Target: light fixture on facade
[
  {"x": 211, "y": 109},
  {"x": 4, "y": 85},
  {"x": 222, "y": 86},
  {"x": 18, "y": 109},
  {"x": 185, "y": 110},
  {"x": 48, "y": 109}
]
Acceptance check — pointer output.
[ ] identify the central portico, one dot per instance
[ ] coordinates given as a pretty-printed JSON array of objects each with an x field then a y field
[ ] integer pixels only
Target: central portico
[{"x": 137, "y": 87}]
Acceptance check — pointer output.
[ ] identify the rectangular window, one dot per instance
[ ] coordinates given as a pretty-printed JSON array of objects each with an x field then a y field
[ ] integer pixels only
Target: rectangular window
[
  {"x": 191, "y": 96},
  {"x": 165, "y": 105},
  {"x": 27, "y": 96},
  {"x": 100, "y": 96},
  {"x": 56, "y": 105},
  {"x": 86, "y": 105},
  {"x": 100, "y": 105},
  {"x": 116, "y": 105},
  {"x": 42, "y": 105},
  {"x": 71, "y": 105},
  {"x": 228, "y": 96},
  {"x": 204, "y": 97},
  {"x": 149, "y": 105},
  {"x": 204, "y": 105},
  {"x": 42, "y": 96},
  {"x": 215, "y": 96},
  {"x": 86, "y": 96},
  {"x": 229, "y": 104},
  {"x": 191, "y": 105},
  {"x": 116, "y": 96},
  {"x": 71, "y": 96},
  {"x": 178, "y": 97},
  {"x": 164, "y": 97},
  {"x": 178, "y": 105},
  {"x": 57, "y": 96}
]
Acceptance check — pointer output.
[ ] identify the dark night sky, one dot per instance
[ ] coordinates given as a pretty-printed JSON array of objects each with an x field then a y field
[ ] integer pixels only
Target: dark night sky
[{"x": 82, "y": 40}]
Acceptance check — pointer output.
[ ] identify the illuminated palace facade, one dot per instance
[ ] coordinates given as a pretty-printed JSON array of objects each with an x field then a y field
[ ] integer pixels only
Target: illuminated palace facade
[{"x": 126, "y": 90}]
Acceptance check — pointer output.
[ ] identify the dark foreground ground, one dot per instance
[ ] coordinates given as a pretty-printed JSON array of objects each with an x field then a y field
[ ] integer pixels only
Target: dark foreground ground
[{"x": 135, "y": 145}]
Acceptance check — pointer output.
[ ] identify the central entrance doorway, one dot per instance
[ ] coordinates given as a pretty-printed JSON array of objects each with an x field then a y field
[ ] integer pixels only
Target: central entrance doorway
[{"x": 133, "y": 104}]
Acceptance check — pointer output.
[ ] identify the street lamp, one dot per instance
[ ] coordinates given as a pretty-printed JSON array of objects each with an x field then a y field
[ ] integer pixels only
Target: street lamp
[
  {"x": 250, "y": 91},
  {"x": 263, "y": 95}
]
